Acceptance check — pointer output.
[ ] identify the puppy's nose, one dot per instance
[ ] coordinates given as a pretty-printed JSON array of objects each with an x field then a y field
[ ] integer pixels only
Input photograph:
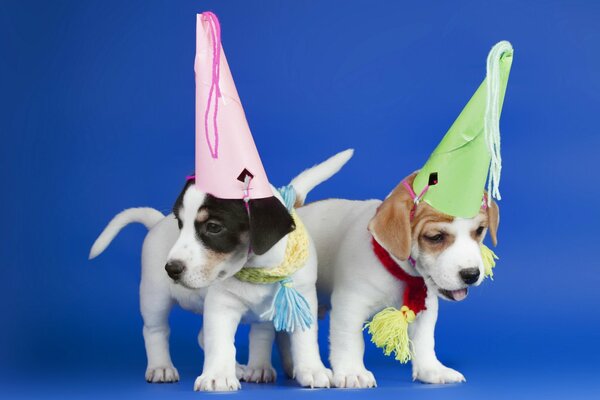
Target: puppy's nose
[
  {"x": 469, "y": 275},
  {"x": 175, "y": 268}
]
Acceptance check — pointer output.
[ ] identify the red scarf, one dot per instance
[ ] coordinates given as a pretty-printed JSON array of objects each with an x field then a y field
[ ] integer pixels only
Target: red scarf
[{"x": 415, "y": 291}]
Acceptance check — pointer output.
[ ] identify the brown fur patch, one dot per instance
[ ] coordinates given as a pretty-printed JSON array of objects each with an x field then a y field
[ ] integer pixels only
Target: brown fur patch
[
  {"x": 484, "y": 224},
  {"x": 493, "y": 214},
  {"x": 426, "y": 220},
  {"x": 391, "y": 225},
  {"x": 213, "y": 259},
  {"x": 202, "y": 215}
]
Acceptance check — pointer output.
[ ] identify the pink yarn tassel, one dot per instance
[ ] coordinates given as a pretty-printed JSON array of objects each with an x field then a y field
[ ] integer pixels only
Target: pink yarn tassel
[{"x": 215, "y": 92}]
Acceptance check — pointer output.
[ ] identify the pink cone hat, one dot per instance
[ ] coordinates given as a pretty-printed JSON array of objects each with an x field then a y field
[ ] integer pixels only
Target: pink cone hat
[{"x": 227, "y": 161}]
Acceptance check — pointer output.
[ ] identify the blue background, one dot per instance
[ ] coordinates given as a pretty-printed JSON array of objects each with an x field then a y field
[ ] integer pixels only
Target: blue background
[{"x": 97, "y": 115}]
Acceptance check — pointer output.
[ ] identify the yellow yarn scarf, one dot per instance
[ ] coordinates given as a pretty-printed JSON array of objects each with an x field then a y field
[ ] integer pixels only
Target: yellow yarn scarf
[{"x": 296, "y": 254}]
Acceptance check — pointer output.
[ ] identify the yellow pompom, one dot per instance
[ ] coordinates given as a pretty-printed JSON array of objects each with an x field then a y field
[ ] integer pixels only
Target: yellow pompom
[
  {"x": 389, "y": 331},
  {"x": 489, "y": 260}
]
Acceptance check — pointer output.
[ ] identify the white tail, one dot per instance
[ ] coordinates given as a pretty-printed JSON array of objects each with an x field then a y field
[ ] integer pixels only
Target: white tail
[
  {"x": 144, "y": 215},
  {"x": 310, "y": 178}
]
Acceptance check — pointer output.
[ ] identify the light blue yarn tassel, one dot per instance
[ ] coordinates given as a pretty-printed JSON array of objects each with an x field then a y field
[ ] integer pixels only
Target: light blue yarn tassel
[
  {"x": 289, "y": 196},
  {"x": 289, "y": 310}
]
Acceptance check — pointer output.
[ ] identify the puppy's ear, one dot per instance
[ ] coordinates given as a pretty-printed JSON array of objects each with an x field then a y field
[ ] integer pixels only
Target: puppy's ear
[
  {"x": 269, "y": 222},
  {"x": 493, "y": 213},
  {"x": 391, "y": 225}
]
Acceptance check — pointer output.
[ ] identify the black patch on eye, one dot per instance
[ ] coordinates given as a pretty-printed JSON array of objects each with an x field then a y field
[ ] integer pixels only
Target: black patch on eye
[
  {"x": 232, "y": 215},
  {"x": 479, "y": 230}
]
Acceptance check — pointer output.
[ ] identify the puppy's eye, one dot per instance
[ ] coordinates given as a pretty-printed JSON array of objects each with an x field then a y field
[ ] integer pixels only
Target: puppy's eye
[
  {"x": 213, "y": 228},
  {"x": 479, "y": 230},
  {"x": 179, "y": 223},
  {"x": 436, "y": 238}
]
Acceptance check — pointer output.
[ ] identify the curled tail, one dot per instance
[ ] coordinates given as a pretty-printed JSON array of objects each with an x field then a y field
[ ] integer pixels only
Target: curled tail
[
  {"x": 144, "y": 215},
  {"x": 310, "y": 178}
]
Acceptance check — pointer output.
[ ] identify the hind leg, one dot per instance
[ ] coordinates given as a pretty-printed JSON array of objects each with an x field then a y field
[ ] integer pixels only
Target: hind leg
[
  {"x": 285, "y": 352},
  {"x": 259, "y": 368},
  {"x": 156, "y": 306}
]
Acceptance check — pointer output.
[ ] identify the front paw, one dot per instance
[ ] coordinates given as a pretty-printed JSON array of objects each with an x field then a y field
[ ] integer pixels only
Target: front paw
[
  {"x": 437, "y": 373},
  {"x": 259, "y": 374},
  {"x": 356, "y": 379},
  {"x": 162, "y": 374},
  {"x": 208, "y": 382},
  {"x": 315, "y": 377}
]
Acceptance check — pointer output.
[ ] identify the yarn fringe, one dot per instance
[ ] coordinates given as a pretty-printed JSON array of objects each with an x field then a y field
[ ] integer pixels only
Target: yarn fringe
[
  {"x": 489, "y": 260},
  {"x": 289, "y": 310},
  {"x": 288, "y": 193},
  {"x": 492, "y": 116},
  {"x": 389, "y": 332}
]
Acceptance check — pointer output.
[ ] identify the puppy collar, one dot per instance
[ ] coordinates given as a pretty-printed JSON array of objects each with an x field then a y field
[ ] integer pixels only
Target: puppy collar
[{"x": 415, "y": 290}]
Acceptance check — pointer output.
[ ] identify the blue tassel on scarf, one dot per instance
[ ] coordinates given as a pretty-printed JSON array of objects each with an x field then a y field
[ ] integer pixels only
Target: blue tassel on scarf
[
  {"x": 289, "y": 196},
  {"x": 289, "y": 310}
]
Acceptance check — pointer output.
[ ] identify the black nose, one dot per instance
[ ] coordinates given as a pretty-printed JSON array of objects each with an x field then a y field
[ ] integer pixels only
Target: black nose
[
  {"x": 469, "y": 275},
  {"x": 175, "y": 268}
]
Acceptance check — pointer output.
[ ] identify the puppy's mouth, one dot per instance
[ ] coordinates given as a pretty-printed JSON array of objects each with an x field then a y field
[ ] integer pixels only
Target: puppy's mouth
[
  {"x": 454, "y": 295},
  {"x": 186, "y": 285},
  {"x": 194, "y": 284}
]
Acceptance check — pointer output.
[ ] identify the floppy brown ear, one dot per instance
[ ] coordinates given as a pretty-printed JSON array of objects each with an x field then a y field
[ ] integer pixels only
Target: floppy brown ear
[
  {"x": 391, "y": 224},
  {"x": 269, "y": 222},
  {"x": 493, "y": 212}
]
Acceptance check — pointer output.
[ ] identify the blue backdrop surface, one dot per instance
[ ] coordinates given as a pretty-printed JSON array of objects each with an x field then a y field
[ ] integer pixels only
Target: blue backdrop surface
[{"x": 97, "y": 115}]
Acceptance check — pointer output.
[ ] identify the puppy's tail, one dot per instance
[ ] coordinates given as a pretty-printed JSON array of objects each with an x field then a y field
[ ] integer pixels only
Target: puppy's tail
[
  {"x": 310, "y": 178},
  {"x": 144, "y": 215}
]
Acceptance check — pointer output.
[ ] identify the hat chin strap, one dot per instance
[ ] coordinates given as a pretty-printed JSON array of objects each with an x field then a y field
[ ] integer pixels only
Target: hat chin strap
[{"x": 492, "y": 117}]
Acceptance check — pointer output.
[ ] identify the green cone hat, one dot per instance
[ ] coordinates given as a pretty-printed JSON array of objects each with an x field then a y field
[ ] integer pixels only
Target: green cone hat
[{"x": 455, "y": 174}]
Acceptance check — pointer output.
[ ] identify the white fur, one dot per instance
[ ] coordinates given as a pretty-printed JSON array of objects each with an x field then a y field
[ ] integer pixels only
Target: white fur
[
  {"x": 144, "y": 215},
  {"x": 224, "y": 301},
  {"x": 355, "y": 285},
  {"x": 312, "y": 177}
]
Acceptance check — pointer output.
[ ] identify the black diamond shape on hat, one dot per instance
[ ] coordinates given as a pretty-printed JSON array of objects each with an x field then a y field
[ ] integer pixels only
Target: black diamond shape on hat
[
  {"x": 433, "y": 179},
  {"x": 244, "y": 174}
]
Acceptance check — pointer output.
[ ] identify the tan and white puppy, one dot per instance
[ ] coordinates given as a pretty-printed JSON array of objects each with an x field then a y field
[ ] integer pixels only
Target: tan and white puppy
[
  {"x": 201, "y": 246},
  {"x": 354, "y": 283}
]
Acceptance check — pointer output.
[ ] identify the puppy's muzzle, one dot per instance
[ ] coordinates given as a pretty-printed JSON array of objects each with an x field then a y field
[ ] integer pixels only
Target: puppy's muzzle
[
  {"x": 175, "y": 269},
  {"x": 469, "y": 275}
]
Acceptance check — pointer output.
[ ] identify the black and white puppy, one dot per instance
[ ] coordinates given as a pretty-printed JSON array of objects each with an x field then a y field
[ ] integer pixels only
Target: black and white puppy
[{"x": 202, "y": 245}]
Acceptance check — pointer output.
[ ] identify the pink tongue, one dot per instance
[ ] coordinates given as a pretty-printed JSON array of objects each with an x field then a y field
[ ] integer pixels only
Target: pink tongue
[{"x": 459, "y": 295}]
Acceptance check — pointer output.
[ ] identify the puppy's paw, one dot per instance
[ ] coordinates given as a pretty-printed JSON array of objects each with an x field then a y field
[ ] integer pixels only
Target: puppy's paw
[
  {"x": 239, "y": 370},
  {"x": 216, "y": 383},
  {"x": 313, "y": 377},
  {"x": 357, "y": 379},
  {"x": 162, "y": 374},
  {"x": 437, "y": 373},
  {"x": 259, "y": 374}
]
